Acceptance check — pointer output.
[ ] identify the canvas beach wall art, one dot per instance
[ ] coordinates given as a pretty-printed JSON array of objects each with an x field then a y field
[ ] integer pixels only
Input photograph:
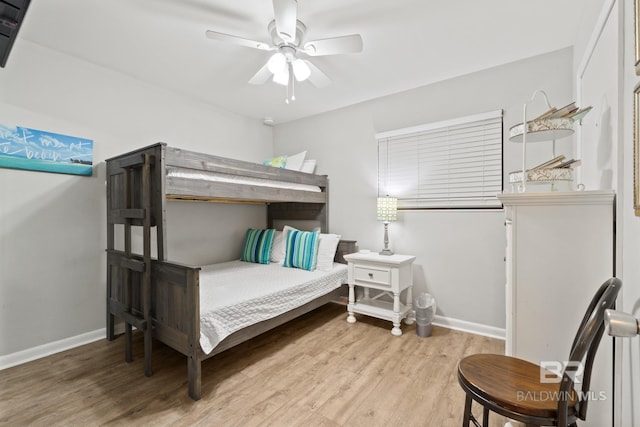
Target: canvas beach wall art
[{"x": 32, "y": 149}]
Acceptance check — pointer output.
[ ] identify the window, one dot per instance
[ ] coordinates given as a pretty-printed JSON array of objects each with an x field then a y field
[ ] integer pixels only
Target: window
[{"x": 451, "y": 164}]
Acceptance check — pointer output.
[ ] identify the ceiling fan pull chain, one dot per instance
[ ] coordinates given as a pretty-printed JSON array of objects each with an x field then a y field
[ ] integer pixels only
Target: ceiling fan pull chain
[
  {"x": 290, "y": 86},
  {"x": 286, "y": 99},
  {"x": 293, "y": 89}
]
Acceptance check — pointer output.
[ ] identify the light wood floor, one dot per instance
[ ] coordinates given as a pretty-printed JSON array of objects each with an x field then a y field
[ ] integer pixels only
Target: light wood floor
[{"x": 317, "y": 370}]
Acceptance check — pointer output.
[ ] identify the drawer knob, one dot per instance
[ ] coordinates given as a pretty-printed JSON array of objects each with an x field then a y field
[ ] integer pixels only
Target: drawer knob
[{"x": 370, "y": 275}]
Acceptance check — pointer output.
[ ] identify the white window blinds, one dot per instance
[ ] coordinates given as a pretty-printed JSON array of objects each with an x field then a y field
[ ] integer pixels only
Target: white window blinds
[{"x": 451, "y": 164}]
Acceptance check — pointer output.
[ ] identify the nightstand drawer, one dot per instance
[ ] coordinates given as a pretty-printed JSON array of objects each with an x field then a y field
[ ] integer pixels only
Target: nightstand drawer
[{"x": 379, "y": 276}]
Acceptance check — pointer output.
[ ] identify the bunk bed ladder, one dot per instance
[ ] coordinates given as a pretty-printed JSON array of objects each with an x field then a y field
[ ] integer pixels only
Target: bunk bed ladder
[{"x": 131, "y": 214}]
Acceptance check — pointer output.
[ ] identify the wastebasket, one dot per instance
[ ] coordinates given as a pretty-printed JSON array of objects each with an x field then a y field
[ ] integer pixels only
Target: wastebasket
[{"x": 425, "y": 306}]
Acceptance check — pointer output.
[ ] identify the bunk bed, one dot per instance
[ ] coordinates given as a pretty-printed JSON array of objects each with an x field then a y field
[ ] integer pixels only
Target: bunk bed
[{"x": 162, "y": 298}]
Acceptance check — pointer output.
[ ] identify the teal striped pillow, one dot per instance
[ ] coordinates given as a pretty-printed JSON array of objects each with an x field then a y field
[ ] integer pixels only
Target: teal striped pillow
[
  {"x": 257, "y": 245},
  {"x": 302, "y": 249}
]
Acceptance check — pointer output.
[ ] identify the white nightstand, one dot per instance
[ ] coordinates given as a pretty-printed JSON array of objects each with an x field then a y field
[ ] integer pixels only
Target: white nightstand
[{"x": 391, "y": 274}]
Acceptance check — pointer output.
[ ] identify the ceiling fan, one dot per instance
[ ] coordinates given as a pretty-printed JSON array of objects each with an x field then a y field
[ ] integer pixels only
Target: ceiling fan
[{"x": 288, "y": 63}]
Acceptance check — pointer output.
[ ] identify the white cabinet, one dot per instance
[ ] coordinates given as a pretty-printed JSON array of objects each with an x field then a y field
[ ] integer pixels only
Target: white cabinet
[
  {"x": 391, "y": 274},
  {"x": 560, "y": 249}
]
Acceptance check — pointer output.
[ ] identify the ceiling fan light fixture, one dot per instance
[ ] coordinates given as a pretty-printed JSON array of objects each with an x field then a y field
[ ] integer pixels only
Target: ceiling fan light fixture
[
  {"x": 301, "y": 70},
  {"x": 277, "y": 63},
  {"x": 282, "y": 77}
]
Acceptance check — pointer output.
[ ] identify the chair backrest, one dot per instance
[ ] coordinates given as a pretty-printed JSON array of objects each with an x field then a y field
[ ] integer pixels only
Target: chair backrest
[{"x": 584, "y": 347}]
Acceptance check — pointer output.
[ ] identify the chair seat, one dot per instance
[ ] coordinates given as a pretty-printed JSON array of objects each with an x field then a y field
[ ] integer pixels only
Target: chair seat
[{"x": 512, "y": 384}]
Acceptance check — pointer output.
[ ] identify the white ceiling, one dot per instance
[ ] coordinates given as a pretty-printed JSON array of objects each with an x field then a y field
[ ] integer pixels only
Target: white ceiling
[{"x": 407, "y": 43}]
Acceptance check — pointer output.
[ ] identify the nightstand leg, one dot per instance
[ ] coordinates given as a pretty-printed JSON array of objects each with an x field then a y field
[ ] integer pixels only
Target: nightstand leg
[
  {"x": 396, "y": 331},
  {"x": 411, "y": 316},
  {"x": 352, "y": 300}
]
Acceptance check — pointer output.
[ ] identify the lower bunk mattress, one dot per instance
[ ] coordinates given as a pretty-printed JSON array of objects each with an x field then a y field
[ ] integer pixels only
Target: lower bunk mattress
[{"x": 237, "y": 294}]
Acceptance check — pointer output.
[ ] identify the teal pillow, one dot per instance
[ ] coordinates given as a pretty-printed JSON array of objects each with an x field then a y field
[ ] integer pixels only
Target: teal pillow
[
  {"x": 302, "y": 249},
  {"x": 257, "y": 245}
]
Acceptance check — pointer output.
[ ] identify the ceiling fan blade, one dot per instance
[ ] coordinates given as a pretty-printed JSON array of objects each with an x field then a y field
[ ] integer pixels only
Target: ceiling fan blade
[
  {"x": 334, "y": 45},
  {"x": 286, "y": 15},
  {"x": 317, "y": 77},
  {"x": 214, "y": 35},
  {"x": 261, "y": 76}
]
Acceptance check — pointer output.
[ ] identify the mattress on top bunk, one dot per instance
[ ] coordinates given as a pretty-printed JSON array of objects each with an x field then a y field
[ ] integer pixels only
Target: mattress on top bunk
[
  {"x": 237, "y": 294},
  {"x": 174, "y": 172}
]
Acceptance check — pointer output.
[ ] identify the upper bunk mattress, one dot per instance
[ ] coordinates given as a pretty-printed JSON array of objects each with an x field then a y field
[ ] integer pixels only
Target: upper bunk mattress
[
  {"x": 174, "y": 172},
  {"x": 237, "y": 294}
]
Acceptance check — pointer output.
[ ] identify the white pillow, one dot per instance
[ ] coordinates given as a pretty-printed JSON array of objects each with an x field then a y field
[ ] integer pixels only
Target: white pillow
[
  {"x": 276, "y": 247},
  {"x": 327, "y": 251},
  {"x": 308, "y": 166},
  {"x": 295, "y": 162},
  {"x": 279, "y": 246}
]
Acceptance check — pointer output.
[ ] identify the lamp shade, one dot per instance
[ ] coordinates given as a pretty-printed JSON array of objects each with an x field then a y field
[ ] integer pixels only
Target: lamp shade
[
  {"x": 387, "y": 208},
  {"x": 301, "y": 70},
  {"x": 277, "y": 63},
  {"x": 282, "y": 78}
]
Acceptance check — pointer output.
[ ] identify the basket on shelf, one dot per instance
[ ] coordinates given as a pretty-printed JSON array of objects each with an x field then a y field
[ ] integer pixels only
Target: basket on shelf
[{"x": 552, "y": 125}]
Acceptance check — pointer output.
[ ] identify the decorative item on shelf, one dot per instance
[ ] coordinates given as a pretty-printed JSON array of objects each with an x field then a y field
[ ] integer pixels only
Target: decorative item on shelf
[
  {"x": 555, "y": 170},
  {"x": 552, "y": 125},
  {"x": 387, "y": 211}
]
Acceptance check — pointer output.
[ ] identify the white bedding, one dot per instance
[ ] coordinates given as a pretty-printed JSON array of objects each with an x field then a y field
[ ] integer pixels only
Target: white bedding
[
  {"x": 219, "y": 177},
  {"x": 237, "y": 294}
]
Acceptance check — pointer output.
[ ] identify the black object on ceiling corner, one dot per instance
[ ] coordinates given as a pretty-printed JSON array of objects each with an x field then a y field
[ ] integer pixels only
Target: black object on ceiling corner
[{"x": 11, "y": 16}]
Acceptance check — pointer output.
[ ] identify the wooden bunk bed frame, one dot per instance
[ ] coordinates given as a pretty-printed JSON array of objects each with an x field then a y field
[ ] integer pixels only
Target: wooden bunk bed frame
[{"x": 161, "y": 298}]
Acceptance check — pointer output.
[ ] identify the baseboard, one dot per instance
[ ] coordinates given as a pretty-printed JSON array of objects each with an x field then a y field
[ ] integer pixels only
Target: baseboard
[
  {"x": 472, "y": 328},
  {"x": 44, "y": 350}
]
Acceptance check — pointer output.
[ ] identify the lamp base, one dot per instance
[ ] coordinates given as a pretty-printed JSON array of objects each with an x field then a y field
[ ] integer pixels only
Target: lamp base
[{"x": 386, "y": 250}]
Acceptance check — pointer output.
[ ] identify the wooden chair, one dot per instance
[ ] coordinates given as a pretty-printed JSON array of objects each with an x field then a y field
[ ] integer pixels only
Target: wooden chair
[{"x": 512, "y": 387}]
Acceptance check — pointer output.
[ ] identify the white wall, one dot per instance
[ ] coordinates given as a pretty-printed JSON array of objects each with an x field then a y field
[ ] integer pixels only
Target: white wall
[
  {"x": 460, "y": 254},
  {"x": 597, "y": 85},
  {"x": 53, "y": 227}
]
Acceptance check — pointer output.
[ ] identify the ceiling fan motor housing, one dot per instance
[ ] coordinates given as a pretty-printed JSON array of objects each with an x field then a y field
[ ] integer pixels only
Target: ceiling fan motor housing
[{"x": 278, "y": 41}]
